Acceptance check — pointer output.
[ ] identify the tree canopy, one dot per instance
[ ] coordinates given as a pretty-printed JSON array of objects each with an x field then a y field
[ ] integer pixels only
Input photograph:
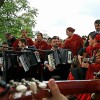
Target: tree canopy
[
  {"x": 16, "y": 15},
  {"x": 1, "y": 2}
]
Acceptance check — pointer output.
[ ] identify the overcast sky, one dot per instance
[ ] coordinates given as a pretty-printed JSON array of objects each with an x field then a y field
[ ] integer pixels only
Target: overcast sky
[{"x": 56, "y": 15}]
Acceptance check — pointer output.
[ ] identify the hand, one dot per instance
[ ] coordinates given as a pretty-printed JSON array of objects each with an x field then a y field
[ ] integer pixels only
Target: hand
[
  {"x": 80, "y": 59},
  {"x": 1, "y": 65},
  {"x": 56, "y": 95},
  {"x": 36, "y": 52},
  {"x": 85, "y": 65},
  {"x": 50, "y": 68}
]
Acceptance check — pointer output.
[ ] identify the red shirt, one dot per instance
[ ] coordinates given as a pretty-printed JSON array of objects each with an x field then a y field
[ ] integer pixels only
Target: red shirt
[
  {"x": 94, "y": 67},
  {"x": 74, "y": 43},
  {"x": 29, "y": 43},
  {"x": 42, "y": 45}
]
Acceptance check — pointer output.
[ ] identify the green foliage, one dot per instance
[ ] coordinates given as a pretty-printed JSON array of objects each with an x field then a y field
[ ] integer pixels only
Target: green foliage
[
  {"x": 1, "y": 2},
  {"x": 16, "y": 15}
]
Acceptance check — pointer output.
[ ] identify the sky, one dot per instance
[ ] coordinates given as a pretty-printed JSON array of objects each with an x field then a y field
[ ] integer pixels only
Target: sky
[{"x": 56, "y": 15}]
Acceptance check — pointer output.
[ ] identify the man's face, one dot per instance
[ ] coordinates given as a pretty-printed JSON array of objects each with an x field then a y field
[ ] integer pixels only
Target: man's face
[
  {"x": 39, "y": 37},
  {"x": 20, "y": 44},
  {"x": 97, "y": 27},
  {"x": 24, "y": 33},
  {"x": 9, "y": 37},
  {"x": 55, "y": 42}
]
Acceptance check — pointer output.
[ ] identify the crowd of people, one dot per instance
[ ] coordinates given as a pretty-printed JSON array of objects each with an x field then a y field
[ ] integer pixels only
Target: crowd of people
[{"x": 80, "y": 68}]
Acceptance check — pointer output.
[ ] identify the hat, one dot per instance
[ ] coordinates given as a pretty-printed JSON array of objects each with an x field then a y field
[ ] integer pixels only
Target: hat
[{"x": 71, "y": 29}]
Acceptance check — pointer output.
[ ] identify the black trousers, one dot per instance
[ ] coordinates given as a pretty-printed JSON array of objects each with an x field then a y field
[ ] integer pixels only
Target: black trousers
[{"x": 61, "y": 70}]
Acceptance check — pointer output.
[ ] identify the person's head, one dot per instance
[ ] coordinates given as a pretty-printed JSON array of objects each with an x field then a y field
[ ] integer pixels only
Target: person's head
[
  {"x": 8, "y": 36},
  {"x": 4, "y": 44},
  {"x": 49, "y": 40},
  {"x": 39, "y": 36},
  {"x": 45, "y": 39},
  {"x": 97, "y": 24},
  {"x": 70, "y": 31},
  {"x": 94, "y": 38},
  {"x": 24, "y": 33},
  {"x": 84, "y": 39},
  {"x": 22, "y": 42},
  {"x": 55, "y": 42},
  {"x": 60, "y": 41}
]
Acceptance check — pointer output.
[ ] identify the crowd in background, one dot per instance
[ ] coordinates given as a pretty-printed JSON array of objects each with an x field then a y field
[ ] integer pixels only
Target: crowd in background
[{"x": 81, "y": 47}]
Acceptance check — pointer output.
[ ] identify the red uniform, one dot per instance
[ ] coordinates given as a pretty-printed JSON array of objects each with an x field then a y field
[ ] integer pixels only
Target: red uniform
[
  {"x": 94, "y": 67},
  {"x": 74, "y": 43},
  {"x": 29, "y": 43},
  {"x": 42, "y": 45},
  {"x": 49, "y": 46}
]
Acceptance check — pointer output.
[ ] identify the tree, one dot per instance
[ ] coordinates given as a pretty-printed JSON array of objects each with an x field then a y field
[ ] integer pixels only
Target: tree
[
  {"x": 16, "y": 15},
  {"x": 1, "y": 2}
]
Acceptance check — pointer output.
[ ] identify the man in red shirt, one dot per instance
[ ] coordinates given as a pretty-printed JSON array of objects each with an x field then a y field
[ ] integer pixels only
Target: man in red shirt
[
  {"x": 29, "y": 41},
  {"x": 41, "y": 44}
]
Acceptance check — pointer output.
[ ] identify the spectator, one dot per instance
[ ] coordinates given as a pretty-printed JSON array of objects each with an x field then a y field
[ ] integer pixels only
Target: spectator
[
  {"x": 10, "y": 39},
  {"x": 97, "y": 30}
]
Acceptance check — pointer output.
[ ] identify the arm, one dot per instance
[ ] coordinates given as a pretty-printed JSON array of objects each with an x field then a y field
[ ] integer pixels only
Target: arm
[
  {"x": 80, "y": 55},
  {"x": 56, "y": 95},
  {"x": 46, "y": 62},
  {"x": 50, "y": 68},
  {"x": 15, "y": 44},
  {"x": 67, "y": 87},
  {"x": 44, "y": 46},
  {"x": 30, "y": 42}
]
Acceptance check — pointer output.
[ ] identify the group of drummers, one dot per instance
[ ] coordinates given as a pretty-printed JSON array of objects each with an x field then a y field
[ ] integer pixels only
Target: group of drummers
[{"x": 41, "y": 59}]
